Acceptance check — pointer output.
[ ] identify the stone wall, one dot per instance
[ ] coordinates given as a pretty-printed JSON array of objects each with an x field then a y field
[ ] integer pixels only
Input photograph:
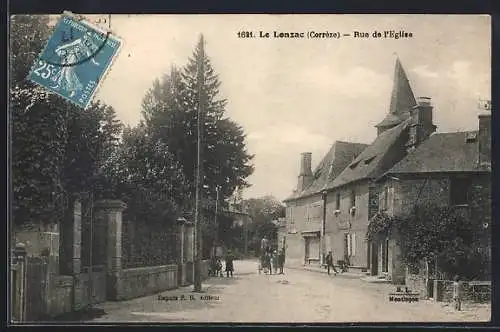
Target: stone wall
[
  {"x": 59, "y": 298},
  {"x": 416, "y": 283},
  {"x": 142, "y": 281}
]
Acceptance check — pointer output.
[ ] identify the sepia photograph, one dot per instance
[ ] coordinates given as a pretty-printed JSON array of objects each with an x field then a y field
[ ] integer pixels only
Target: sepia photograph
[{"x": 249, "y": 168}]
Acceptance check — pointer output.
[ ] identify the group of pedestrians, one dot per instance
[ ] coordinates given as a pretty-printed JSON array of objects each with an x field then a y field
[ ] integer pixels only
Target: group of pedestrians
[
  {"x": 271, "y": 259},
  {"x": 216, "y": 265}
]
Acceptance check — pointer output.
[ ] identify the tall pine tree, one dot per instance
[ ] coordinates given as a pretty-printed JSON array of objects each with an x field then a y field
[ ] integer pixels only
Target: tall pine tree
[{"x": 170, "y": 112}]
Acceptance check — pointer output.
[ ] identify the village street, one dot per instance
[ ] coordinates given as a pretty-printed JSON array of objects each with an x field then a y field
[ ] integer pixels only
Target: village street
[{"x": 297, "y": 296}]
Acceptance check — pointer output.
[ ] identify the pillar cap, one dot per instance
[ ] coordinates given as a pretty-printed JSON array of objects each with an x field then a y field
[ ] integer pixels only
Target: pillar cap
[
  {"x": 184, "y": 221},
  {"x": 110, "y": 204}
]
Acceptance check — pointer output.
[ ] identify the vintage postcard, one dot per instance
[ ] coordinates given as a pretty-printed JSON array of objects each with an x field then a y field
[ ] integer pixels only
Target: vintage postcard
[{"x": 250, "y": 168}]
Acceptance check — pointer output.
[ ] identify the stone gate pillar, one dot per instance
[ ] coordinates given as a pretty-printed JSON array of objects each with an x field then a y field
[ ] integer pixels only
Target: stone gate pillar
[
  {"x": 109, "y": 214},
  {"x": 71, "y": 239},
  {"x": 189, "y": 250}
]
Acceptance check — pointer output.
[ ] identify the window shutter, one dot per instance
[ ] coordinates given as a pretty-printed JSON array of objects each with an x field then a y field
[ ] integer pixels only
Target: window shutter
[
  {"x": 349, "y": 247},
  {"x": 353, "y": 244}
]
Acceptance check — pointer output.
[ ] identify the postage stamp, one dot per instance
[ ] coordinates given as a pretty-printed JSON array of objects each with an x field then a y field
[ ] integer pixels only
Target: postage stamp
[{"x": 75, "y": 60}]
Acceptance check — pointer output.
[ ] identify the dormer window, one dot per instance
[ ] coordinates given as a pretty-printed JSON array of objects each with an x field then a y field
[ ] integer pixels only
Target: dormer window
[
  {"x": 354, "y": 164},
  {"x": 369, "y": 160}
]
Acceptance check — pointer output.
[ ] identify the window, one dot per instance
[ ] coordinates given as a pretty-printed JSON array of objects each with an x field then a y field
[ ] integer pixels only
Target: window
[
  {"x": 353, "y": 197},
  {"x": 385, "y": 198},
  {"x": 369, "y": 160},
  {"x": 316, "y": 212},
  {"x": 459, "y": 188},
  {"x": 337, "y": 201},
  {"x": 350, "y": 242},
  {"x": 290, "y": 221}
]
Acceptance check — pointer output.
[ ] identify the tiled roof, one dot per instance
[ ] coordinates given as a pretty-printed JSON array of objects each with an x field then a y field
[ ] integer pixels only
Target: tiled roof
[
  {"x": 443, "y": 152},
  {"x": 333, "y": 163},
  {"x": 370, "y": 163}
]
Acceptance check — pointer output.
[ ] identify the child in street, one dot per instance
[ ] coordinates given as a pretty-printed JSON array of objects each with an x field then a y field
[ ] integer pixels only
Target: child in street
[
  {"x": 218, "y": 268},
  {"x": 457, "y": 293}
]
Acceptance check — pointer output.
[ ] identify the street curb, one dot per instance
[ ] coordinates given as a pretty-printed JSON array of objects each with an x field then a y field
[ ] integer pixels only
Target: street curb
[{"x": 339, "y": 275}]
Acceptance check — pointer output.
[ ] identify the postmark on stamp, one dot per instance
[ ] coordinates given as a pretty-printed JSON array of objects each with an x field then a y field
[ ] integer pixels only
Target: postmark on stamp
[{"x": 75, "y": 60}]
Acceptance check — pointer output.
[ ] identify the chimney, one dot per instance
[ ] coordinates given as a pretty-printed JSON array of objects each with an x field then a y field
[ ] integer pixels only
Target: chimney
[
  {"x": 484, "y": 140},
  {"x": 421, "y": 125},
  {"x": 305, "y": 174}
]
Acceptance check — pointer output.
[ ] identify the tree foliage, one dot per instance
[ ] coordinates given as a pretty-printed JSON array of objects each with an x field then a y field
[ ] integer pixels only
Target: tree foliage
[
  {"x": 263, "y": 211},
  {"x": 57, "y": 148},
  {"x": 432, "y": 232},
  {"x": 146, "y": 176}
]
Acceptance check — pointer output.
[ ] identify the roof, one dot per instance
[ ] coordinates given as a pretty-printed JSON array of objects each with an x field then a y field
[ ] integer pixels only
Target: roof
[
  {"x": 370, "y": 163},
  {"x": 332, "y": 164},
  {"x": 443, "y": 152},
  {"x": 402, "y": 98}
]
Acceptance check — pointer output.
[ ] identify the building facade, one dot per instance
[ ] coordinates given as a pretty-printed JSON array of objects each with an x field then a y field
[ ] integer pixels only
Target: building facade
[
  {"x": 448, "y": 169},
  {"x": 333, "y": 212}
]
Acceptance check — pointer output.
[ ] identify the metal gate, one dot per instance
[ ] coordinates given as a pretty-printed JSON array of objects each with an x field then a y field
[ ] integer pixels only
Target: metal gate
[{"x": 93, "y": 254}]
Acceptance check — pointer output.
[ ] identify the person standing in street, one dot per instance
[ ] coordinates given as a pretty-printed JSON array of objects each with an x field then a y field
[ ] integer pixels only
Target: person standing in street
[
  {"x": 229, "y": 263},
  {"x": 329, "y": 262},
  {"x": 275, "y": 261},
  {"x": 281, "y": 260},
  {"x": 457, "y": 293}
]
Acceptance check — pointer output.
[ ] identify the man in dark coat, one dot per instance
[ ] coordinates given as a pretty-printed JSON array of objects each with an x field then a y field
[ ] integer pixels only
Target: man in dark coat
[
  {"x": 229, "y": 263},
  {"x": 329, "y": 262},
  {"x": 281, "y": 260}
]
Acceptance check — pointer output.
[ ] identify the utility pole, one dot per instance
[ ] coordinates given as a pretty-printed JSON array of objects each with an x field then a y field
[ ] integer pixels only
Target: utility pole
[
  {"x": 216, "y": 221},
  {"x": 199, "y": 171}
]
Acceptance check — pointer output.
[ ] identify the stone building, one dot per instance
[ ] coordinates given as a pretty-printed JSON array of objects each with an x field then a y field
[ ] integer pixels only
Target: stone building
[
  {"x": 450, "y": 169},
  {"x": 331, "y": 207},
  {"x": 304, "y": 208}
]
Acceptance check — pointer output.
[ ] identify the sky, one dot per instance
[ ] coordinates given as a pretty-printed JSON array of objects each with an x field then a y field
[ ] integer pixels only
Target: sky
[{"x": 301, "y": 95}]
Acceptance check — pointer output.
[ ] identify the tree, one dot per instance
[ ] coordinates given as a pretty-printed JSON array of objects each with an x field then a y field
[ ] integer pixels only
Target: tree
[
  {"x": 57, "y": 148},
  {"x": 146, "y": 176},
  {"x": 170, "y": 112},
  {"x": 263, "y": 211},
  {"x": 28, "y": 35}
]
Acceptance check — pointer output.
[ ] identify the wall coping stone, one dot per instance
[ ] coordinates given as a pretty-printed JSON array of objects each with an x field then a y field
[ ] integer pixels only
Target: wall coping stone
[
  {"x": 110, "y": 204},
  {"x": 149, "y": 270}
]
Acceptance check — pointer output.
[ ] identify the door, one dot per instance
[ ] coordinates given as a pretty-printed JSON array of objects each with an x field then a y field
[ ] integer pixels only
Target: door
[
  {"x": 314, "y": 246},
  {"x": 374, "y": 258},
  {"x": 385, "y": 255},
  {"x": 306, "y": 250},
  {"x": 93, "y": 253},
  {"x": 346, "y": 247}
]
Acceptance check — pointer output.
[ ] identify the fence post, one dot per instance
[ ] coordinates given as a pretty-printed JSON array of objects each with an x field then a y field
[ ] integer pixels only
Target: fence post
[{"x": 18, "y": 283}]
